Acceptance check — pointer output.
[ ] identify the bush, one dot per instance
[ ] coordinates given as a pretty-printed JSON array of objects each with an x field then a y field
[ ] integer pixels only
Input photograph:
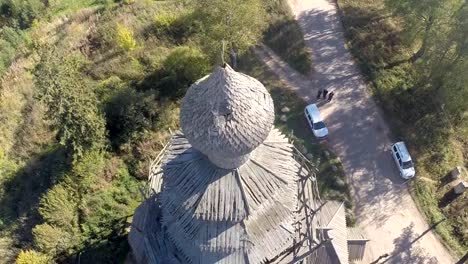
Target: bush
[
  {"x": 182, "y": 67},
  {"x": 179, "y": 26},
  {"x": 32, "y": 257},
  {"x": 58, "y": 207},
  {"x": 164, "y": 21},
  {"x": 22, "y": 12},
  {"x": 128, "y": 113},
  {"x": 54, "y": 240},
  {"x": 10, "y": 40},
  {"x": 111, "y": 204},
  {"x": 284, "y": 36},
  {"x": 125, "y": 38}
]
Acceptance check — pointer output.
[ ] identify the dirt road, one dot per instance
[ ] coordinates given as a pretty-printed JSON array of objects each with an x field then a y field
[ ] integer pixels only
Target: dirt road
[{"x": 360, "y": 137}]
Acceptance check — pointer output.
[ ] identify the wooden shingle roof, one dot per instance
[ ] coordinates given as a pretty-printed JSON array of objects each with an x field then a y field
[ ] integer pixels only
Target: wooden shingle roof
[
  {"x": 214, "y": 215},
  {"x": 226, "y": 115}
]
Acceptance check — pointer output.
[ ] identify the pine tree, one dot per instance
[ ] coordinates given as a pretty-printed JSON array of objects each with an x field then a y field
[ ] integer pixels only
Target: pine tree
[{"x": 70, "y": 101}]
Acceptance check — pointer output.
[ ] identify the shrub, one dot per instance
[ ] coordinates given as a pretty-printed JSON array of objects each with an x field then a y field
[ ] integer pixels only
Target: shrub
[
  {"x": 179, "y": 26},
  {"x": 182, "y": 67},
  {"x": 284, "y": 36},
  {"x": 32, "y": 257},
  {"x": 10, "y": 40},
  {"x": 109, "y": 205},
  {"x": 163, "y": 21},
  {"x": 53, "y": 240},
  {"x": 22, "y": 12},
  {"x": 125, "y": 38},
  {"x": 129, "y": 112},
  {"x": 58, "y": 207}
]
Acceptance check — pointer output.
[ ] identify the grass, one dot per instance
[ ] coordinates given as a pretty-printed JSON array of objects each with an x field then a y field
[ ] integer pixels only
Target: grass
[
  {"x": 68, "y": 7},
  {"x": 374, "y": 39},
  {"x": 332, "y": 184},
  {"x": 284, "y": 36}
]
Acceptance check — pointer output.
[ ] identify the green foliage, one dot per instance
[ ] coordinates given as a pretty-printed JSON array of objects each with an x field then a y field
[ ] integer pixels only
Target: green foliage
[
  {"x": 423, "y": 20},
  {"x": 125, "y": 38},
  {"x": 164, "y": 21},
  {"x": 239, "y": 23},
  {"x": 284, "y": 36},
  {"x": 182, "y": 67},
  {"x": 58, "y": 207},
  {"x": 177, "y": 25},
  {"x": 113, "y": 203},
  {"x": 89, "y": 206},
  {"x": 7, "y": 168},
  {"x": 21, "y": 13},
  {"x": 70, "y": 101},
  {"x": 129, "y": 113},
  {"x": 32, "y": 257},
  {"x": 127, "y": 2},
  {"x": 11, "y": 40},
  {"x": 53, "y": 240}
]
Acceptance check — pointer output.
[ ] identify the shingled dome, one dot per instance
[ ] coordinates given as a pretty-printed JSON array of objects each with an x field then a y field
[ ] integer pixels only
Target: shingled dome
[{"x": 226, "y": 115}]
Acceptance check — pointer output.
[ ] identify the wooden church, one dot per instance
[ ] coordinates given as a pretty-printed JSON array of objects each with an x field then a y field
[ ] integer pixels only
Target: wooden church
[{"x": 230, "y": 188}]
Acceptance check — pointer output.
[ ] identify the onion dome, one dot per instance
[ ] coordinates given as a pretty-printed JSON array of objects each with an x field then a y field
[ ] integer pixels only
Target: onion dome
[{"x": 226, "y": 115}]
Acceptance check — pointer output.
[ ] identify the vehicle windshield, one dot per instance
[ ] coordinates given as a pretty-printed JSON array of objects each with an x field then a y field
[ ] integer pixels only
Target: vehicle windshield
[
  {"x": 407, "y": 164},
  {"x": 319, "y": 125}
]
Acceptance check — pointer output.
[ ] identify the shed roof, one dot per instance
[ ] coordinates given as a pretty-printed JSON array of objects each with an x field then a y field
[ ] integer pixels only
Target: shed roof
[{"x": 331, "y": 219}]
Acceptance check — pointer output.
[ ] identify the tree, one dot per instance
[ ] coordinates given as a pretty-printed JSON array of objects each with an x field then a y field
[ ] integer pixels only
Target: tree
[
  {"x": 424, "y": 21},
  {"x": 70, "y": 101},
  {"x": 447, "y": 64},
  {"x": 237, "y": 23},
  {"x": 21, "y": 13},
  {"x": 53, "y": 240},
  {"x": 182, "y": 67},
  {"x": 58, "y": 207},
  {"x": 32, "y": 257}
]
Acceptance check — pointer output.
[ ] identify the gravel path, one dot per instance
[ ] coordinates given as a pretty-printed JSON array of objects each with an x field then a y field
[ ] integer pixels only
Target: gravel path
[{"x": 360, "y": 137}]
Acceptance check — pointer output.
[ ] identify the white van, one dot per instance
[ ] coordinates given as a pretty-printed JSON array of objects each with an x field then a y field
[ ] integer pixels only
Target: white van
[
  {"x": 316, "y": 123},
  {"x": 403, "y": 160}
]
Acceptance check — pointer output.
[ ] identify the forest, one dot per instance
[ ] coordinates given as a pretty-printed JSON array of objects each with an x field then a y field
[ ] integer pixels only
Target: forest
[
  {"x": 89, "y": 94},
  {"x": 414, "y": 55}
]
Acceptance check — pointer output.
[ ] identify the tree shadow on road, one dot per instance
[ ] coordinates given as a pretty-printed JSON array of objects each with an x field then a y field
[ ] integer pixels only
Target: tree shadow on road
[{"x": 407, "y": 251}]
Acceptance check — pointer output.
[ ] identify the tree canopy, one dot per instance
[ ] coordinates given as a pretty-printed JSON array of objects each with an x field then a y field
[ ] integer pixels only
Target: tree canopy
[
  {"x": 71, "y": 102},
  {"x": 239, "y": 23}
]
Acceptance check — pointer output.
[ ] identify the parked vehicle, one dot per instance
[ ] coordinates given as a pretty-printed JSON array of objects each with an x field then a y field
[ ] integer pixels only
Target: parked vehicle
[
  {"x": 403, "y": 160},
  {"x": 315, "y": 121}
]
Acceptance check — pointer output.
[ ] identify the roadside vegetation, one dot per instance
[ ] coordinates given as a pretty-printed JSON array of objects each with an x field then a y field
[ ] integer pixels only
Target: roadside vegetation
[
  {"x": 414, "y": 55},
  {"x": 89, "y": 91},
  {"x": 285, "y": 38}
]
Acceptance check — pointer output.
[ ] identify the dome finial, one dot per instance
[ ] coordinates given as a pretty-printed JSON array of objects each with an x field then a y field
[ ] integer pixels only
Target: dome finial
[{"x": 226, "y": 115}]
